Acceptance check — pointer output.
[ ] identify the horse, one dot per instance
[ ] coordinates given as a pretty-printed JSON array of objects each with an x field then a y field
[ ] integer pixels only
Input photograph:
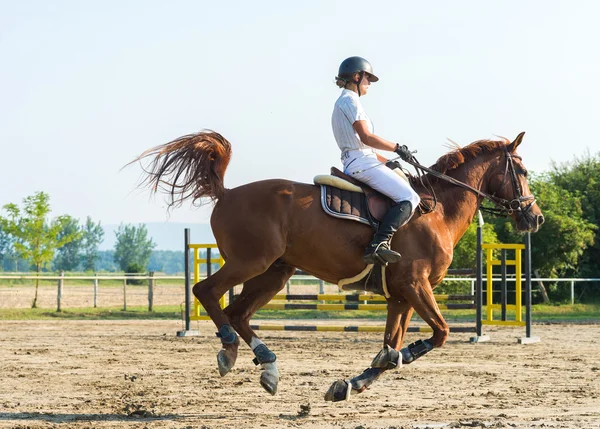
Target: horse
[{"x": 265, "y": 230}]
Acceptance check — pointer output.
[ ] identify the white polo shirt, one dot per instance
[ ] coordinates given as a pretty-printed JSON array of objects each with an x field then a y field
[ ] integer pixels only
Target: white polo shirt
[{"x": 347, "y": 110}]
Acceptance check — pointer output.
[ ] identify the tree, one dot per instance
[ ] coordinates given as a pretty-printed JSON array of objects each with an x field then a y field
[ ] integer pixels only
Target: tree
[
  {"x": 106, "y": 261},
  {"x": 466, "y": 249},
  {"x": 558, "y": 245},
  {"x": 133, "y": 246},
  {"x": 92, "y": 237},
  {"x": 35, "y": 238},
  {"x": 5, "y": 245},
  {"x": 68, "y": 257},
  {"x": 581, "y": 178}
]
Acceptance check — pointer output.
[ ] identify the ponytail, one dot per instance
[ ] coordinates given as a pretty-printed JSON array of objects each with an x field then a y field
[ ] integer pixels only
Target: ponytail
[{"x": 340, "y": 82}]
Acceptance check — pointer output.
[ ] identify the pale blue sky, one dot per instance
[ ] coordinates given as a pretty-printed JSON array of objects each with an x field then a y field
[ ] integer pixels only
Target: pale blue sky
[{"x": 86, "y": 86}]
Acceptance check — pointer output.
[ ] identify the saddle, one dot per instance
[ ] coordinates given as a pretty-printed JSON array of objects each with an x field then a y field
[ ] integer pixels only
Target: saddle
[{"x": 345, "y": 197}]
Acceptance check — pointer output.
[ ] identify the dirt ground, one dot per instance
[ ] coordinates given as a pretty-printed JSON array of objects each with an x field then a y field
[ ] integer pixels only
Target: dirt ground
[{"x": 101, "y": 374}]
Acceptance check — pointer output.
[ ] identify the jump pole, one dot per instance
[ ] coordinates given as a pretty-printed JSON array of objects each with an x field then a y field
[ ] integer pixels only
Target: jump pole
[
  {"x": 528, "y": 338},
  {"x": 480, "y": 338},
  {"x": 188, "y": 288},
  {"x": 340, "y": 328},
  {"x": 354, "y": 302}
]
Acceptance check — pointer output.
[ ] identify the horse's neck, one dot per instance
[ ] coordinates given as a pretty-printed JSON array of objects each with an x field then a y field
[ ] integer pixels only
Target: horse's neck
[{"x": 460, "y": 205}]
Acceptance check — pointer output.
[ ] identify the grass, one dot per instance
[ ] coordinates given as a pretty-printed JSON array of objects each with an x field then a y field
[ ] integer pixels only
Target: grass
[
  {"x": 105, "y": 313},
  {"x": 541, "y": 313},
  {"x": 567, "y": 312}
]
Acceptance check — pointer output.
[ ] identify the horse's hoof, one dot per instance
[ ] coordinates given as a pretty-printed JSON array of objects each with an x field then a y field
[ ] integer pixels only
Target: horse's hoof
[
  {"x": 269, "y": 381},
  {"x": 225, "y": 361},
  {"x": 339, "y": 391}
]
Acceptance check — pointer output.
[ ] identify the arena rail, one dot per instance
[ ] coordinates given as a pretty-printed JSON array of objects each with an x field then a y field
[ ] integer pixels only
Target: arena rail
[
  {"x": 61, "y": 279},
  {"x": 476, "y": 298},
  {"x": 354, "y": 305}
]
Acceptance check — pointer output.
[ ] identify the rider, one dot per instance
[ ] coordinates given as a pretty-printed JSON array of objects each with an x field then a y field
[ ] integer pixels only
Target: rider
[{"x": 353, "y": 131}]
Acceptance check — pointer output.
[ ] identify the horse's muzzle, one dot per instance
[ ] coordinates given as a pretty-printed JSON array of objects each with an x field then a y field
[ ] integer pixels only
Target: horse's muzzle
[{"x": 530, "y": 222}]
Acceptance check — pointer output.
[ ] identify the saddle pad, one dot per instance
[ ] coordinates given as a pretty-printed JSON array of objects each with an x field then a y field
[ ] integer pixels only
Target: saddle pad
[
  {"x": 338, "y": 182},
  {"x": 344, "y": 204}
]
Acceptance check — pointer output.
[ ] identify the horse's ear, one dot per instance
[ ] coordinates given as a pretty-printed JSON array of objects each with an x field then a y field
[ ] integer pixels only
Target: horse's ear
[{"x": 513, "y": 146}]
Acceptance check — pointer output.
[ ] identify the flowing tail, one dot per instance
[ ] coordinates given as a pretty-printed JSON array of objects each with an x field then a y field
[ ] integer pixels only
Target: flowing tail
[{"x": 192, "y": 166}]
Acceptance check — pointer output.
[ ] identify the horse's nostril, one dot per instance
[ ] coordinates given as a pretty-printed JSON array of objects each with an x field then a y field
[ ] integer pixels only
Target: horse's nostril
[{"x": 540, "y": 219}]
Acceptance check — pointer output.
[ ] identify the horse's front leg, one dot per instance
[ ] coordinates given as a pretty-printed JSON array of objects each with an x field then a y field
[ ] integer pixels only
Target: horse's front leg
[
  {"x": 419, "y": 295},
  {"x": 421, "y": 298},
  {"x": 398, "y": 317}
]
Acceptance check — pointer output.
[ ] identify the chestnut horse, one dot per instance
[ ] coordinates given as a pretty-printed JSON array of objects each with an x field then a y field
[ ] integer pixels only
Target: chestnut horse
[{"x": 266, "y": 230}]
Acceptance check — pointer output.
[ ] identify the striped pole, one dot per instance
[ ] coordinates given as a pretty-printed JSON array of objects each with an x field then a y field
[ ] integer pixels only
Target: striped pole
[
  {"x": 343, "y": 307},
  {"x": 333, "y": 328},
  {"x": 357, "y": 298}
]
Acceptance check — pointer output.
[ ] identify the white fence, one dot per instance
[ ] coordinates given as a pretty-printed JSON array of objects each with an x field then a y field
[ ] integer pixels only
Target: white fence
[
  {"x": 171, "y": 289},
  {"x": 132, "y": 291}
]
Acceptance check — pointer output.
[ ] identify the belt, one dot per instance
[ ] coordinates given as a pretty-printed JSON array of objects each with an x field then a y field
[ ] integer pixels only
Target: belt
[{"x": 356, "y": 153}]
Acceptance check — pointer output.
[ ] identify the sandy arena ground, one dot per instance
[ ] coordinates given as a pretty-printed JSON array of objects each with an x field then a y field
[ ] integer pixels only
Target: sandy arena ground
[{"x": 100, "y": 374}]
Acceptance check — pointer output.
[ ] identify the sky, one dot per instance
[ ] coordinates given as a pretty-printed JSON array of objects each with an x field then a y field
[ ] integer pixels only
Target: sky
[{"x": 85, "y": 87}]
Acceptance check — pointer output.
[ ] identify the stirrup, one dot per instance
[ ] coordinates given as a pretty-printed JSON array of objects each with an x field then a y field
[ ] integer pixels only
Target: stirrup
[{"x": 381, "y": 254}]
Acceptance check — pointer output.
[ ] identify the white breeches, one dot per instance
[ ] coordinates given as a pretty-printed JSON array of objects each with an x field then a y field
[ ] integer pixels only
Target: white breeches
[{"x": 378, "y": 176}]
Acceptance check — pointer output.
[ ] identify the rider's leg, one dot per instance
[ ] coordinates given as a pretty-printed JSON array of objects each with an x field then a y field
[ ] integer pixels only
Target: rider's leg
[
  {"x": 379, "y": 250},
  {"x": 370, "y": 171}
]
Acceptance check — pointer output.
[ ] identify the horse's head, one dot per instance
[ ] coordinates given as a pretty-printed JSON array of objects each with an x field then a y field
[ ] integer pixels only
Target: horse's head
[{"x": 508, "y": 184}]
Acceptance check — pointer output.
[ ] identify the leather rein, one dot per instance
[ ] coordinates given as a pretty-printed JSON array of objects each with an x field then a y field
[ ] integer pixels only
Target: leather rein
[{"x": 503, "y": 207}]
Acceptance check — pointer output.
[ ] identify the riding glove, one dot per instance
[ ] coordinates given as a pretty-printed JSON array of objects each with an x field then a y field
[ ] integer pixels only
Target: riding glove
[{"x": 403, "y": 151}]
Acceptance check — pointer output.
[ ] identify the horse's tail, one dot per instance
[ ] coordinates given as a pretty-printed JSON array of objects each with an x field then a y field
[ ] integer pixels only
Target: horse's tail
[{"x": 192, "y": 166}]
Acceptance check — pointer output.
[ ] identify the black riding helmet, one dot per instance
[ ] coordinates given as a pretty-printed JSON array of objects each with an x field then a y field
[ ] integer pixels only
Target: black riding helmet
[{"x": 353, "y": 65}]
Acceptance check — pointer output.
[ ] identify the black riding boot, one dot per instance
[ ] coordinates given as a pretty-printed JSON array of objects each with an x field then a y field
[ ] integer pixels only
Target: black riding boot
[{"x": 379, "y": 250}]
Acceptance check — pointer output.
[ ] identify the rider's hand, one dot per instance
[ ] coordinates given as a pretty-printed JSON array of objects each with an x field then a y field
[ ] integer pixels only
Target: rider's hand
[
  {"x": 393, "y": 165},
  {"x": 403, "y": 152}
]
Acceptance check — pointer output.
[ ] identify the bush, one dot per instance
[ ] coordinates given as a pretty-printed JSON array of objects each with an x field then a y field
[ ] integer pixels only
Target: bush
[{"x": 135, "y": 270}]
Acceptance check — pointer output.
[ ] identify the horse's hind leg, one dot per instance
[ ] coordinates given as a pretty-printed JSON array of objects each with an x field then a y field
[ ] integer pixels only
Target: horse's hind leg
[
  {"x": 210, "y": 290},
  {"x": 257, "y": 292}
]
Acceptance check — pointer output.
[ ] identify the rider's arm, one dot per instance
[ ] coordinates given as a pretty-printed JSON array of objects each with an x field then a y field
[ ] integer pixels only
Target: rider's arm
[{"x": 371, "y": 139}]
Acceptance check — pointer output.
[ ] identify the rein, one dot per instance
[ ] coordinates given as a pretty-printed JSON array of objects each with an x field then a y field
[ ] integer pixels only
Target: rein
[{"x": 503, "y": 207}]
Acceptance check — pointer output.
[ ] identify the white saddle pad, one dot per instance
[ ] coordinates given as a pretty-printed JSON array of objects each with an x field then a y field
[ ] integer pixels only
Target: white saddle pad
[{"x": 326, "y": 179}]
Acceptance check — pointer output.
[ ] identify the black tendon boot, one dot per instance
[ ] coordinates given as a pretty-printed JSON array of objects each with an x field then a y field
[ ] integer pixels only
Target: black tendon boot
[{"x": 379, "y": 250}]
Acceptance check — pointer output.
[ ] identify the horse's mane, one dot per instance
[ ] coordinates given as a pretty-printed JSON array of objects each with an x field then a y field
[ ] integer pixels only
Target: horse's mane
[
  {"x": 454, "y": 159},
  {"x": 458, "y": 157}
]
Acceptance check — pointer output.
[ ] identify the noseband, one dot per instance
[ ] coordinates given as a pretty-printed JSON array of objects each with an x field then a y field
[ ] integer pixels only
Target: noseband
[{"x": 503, "y": 207}]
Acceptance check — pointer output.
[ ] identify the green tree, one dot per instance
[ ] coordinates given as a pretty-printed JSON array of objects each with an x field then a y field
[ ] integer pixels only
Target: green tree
[
  {"x": 581, "y": 178},
  {"x": 133, "y": 246},
  {"x": 35, "y": 238},
  {"x": 466, "y": 249},
  {"x": 68, "y": 257},
  {"x": 5, "y": 245},
  {"x": 106, "y": 261},
  {"x": 560, "y": 242},
  {"x": 92, "y": 237}
]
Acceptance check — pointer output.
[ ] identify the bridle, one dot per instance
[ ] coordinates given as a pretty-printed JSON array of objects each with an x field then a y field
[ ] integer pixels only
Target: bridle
[{"x": 503, "y": 207}]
